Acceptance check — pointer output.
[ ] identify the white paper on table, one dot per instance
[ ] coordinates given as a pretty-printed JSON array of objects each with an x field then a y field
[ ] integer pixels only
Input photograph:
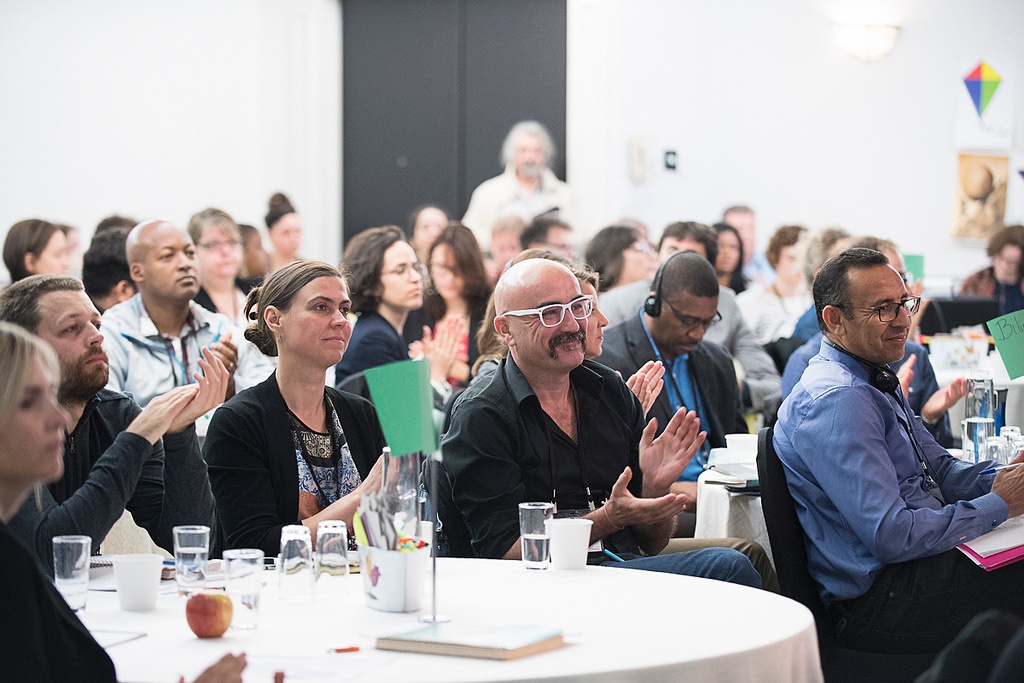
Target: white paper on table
[{"x": 1009, "y": 534}]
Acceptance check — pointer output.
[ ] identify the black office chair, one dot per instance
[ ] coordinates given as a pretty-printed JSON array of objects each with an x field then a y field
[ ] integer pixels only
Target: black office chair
[{"x": 839, "y": 664}]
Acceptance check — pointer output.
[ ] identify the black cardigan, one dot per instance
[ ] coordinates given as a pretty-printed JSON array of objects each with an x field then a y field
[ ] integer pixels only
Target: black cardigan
[{"x": 251, "y": 458}]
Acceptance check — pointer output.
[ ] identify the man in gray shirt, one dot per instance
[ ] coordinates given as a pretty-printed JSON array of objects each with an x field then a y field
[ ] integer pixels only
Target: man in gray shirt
[{"x": 116, "y": 455}]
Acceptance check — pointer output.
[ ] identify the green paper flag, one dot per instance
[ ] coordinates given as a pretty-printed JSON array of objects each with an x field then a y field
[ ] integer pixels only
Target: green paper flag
[
  {"x": 404, "y": 400},
  {"x": 1008, "y": 333},
  {"x": 914, "y": 263}
]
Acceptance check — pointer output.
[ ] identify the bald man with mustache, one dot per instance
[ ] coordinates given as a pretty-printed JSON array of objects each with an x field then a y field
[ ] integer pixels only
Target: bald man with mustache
[{"x": 551, "y": 426}]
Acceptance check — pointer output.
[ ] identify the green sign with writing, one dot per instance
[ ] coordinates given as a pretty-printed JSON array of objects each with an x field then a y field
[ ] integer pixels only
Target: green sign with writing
[
  {"x": 1008, "y": 333},
  {"x": 404, "y": 400}
]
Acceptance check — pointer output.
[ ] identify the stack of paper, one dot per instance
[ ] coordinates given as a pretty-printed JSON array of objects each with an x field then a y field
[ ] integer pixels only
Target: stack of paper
[{"x": 1002, "y": 546}]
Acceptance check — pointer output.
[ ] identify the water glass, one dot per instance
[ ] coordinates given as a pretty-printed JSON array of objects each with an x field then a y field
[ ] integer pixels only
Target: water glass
[
  {"x": 243, "y": 578},
  {"x": 331, "y": 556},
  {"x": 975, "y": 433},
  {"x": 191, "y": 550},
  {"x": 996, "y": 449},
  {"x": 295, "y": 580},
  {"x": 533, "y": 534},
  {"x": 71, "y": 568}
]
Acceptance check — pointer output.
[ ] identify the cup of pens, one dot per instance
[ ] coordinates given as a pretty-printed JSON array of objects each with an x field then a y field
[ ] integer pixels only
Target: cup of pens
[
  {"x": 393, "y": 561},
  {"x": 394, "y": 580}
]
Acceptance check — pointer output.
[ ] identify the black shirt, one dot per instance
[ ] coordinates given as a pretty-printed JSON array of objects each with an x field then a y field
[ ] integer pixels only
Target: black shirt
[{"x": 503, "y": 449}]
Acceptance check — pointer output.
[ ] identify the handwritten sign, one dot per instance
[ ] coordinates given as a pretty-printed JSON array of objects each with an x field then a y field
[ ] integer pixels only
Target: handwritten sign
[
  {"x": 1008, "y": 333},
  {"x": 404, "y": 401}
]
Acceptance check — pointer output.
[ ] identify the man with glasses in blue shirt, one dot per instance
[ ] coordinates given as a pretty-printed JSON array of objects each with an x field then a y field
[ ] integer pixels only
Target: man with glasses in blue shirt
[
  {"x": 699, "y": 374},
  {"x": 551, "y": 426},
  {"x": 883, "y": 505}
]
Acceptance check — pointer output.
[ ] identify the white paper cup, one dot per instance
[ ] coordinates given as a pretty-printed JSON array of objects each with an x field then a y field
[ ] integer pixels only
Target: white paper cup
[
  {"x": 570, "y": 539},
  {"x": 743, "y": 443},
  {"x": 137, "y": 578},
  {"x": 394, "y": 581}
]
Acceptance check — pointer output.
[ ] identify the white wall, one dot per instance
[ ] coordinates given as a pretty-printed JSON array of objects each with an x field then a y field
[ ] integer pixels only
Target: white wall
[
  {"x": 160, "y": 109},
  {"x": 764, "y": 109}
]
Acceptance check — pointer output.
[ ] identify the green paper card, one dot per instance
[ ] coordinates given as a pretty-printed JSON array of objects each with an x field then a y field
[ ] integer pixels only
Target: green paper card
[
  {"x": 1008, "y": 333},
  {"x": 404, "y": 400},
  {"x": 914, "y": 263}
]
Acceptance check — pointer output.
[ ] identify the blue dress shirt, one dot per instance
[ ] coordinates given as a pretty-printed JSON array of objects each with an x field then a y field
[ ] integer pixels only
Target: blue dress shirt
[{"x": 858, "y": 484}]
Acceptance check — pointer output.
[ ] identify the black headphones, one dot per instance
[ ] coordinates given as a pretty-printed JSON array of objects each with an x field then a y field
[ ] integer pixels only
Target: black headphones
[
  {"x": 652, "y": 304},
  {"x": 882, "y": 378}
]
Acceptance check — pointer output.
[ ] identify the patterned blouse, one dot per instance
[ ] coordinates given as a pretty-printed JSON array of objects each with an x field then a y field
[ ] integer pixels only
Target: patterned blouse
[{"x": 326, "y": 469}]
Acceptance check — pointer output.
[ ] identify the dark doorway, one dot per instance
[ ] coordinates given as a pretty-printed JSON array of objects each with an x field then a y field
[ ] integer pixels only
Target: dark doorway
[{"x": 431, "y": 87}]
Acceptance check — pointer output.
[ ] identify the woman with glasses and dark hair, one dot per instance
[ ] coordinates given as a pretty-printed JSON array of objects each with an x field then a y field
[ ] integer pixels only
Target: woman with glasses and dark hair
[
  {"x": 621, "y": 256},
  {"x": 386, "y": 283}
]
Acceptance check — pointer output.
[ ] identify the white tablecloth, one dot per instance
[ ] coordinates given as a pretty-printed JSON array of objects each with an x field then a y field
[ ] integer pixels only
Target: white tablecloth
[
  {"x": 722, "y": 513},
  {"x": 619, "y": 624}
]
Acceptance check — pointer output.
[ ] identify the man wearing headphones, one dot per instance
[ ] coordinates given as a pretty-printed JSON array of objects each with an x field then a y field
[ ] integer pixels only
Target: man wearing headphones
[
  {"x": 682, "y": 305},
  {"x": 883, "y": 505}
]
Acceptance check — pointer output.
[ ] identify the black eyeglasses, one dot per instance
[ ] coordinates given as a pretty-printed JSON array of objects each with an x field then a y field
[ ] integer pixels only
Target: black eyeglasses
[
  {"x": 890, "y": 311},
  {"x": 691, "y": 323}
]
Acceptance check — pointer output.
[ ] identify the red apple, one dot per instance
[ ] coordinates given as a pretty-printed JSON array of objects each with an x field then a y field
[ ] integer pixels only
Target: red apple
[{"x": 208, "y": 613}]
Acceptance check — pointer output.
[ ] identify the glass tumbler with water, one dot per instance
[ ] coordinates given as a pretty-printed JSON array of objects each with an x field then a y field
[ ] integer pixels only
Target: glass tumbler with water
[
  {"x": 295, "y": 580},
  {"x": 331, "y": 556},
  {"x": 71, "y": 568},
  {"x": 243, "y": 578},
  {"x": 191, "y": 550},
  {"x": 533, "y": 534},
  {"x": 979, "y": 415}
]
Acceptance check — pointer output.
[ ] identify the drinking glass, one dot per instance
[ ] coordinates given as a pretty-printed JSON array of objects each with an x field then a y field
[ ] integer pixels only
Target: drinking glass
[
  {"x": 533, "y": 534},
  {"x": 296, "y": 578},
  {"x": 191, "y": 550},
  {"x": 71, "y": 568},
  {"x": 331, "y": 556},
  {"x": 243, "y": 578}
]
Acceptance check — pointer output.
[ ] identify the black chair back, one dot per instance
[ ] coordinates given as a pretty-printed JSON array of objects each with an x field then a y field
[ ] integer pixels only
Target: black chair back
[{"x": 789, "y": 551}]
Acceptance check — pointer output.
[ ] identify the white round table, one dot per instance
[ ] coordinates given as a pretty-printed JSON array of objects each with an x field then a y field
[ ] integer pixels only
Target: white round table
[{"x": 619, "y": 625}]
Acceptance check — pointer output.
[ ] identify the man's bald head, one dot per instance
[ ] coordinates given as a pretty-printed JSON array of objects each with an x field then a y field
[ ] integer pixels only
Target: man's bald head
[
  {"x": 525, "y": 277},
  {"x": 162, "y": 262},
  {"x": 143, "y": 237}
]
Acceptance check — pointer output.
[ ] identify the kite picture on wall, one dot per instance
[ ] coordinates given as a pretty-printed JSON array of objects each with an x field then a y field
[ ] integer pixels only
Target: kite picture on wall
[{"x": 982, "y": 83}]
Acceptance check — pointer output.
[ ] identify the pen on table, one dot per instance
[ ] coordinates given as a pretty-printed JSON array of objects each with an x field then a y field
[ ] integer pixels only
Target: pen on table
[
  {"x": 350, "y": 648},
  {"x": 612, "y": 555},
  {"x": 996, "y": 468}
]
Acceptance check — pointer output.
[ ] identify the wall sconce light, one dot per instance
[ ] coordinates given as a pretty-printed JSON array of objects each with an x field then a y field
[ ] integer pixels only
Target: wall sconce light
[{"x": 867, "y": 42}]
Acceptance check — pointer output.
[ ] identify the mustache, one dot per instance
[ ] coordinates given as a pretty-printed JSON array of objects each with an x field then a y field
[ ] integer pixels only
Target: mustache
[{"x": 565, "y": 338}]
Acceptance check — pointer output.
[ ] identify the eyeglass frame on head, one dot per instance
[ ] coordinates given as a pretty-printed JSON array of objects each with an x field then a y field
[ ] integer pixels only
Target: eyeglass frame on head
[
  {"x": 405, "y": 269},
  {"x": 585, "y": 299},
  {"x": 912, "y": 304},
  {"x": 691, "y": 323}
]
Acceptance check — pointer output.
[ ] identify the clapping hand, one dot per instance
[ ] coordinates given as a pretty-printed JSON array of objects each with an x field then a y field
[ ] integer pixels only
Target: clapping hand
[
  {"x": 628, "y": 510},
  {"x": 647, "y": 383},
  {"x": 663, "y": 459}
]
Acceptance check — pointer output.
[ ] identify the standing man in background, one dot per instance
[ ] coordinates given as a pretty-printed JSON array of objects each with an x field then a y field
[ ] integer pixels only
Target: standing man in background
[{"x": 527, "y": 188}]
